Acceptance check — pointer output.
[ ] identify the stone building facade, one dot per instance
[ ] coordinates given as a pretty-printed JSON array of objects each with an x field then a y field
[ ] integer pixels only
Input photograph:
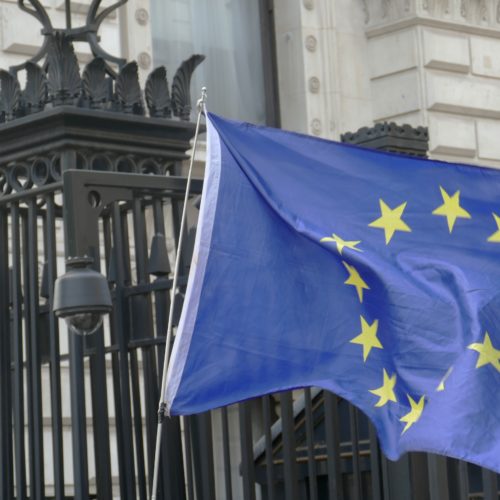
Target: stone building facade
[{"x": 342, "y": 64}]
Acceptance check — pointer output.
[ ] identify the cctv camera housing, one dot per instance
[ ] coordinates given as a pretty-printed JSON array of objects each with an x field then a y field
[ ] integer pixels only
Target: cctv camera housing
[{"x": 81, "y": 290}]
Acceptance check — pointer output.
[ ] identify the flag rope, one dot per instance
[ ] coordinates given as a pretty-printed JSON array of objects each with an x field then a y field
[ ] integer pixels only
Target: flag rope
[{"x": 201, "y": 106}]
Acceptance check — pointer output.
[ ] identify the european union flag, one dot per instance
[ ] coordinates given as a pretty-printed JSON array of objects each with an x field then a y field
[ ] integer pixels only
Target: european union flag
[{"x": 373, "y": 275}]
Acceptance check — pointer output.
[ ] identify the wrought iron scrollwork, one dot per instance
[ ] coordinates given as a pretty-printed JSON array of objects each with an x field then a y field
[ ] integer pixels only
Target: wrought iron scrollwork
[
  {"x": 40, "y": 170},
  {"x": 56, "y": 79},
  {"x": 86, "y": 33}
]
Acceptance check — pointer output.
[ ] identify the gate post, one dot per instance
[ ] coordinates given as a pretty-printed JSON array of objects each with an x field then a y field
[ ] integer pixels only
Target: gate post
[{"x": 97, "y": 119}]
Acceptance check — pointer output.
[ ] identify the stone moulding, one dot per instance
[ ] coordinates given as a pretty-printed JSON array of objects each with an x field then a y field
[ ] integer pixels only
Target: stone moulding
[{"x": 471, "y": 14}]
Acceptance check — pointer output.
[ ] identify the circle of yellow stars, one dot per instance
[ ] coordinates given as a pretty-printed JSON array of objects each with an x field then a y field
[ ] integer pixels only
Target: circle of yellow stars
[{"x": 391, "y": 221}]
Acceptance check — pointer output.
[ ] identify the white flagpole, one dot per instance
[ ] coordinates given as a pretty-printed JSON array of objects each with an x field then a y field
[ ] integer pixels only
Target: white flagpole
[{"x": 161, "y": 407}]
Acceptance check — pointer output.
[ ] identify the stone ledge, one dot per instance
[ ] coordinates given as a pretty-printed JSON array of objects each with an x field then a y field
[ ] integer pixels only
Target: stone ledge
[
  {"x": 452, "y": 135},
  {"x": 446, "y": 51},
  {"x": 473, "y": 96},
  {"x": 396, "y": 25},
  {"x": 396, "y": 94}
]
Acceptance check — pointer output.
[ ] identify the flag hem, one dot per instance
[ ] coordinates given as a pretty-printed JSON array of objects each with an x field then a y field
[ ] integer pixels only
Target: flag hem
[{"x": 198, "y": 265}]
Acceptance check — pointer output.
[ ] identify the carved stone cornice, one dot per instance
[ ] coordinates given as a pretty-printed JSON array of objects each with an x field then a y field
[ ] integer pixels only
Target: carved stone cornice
[{"x": 469, "y": 15}]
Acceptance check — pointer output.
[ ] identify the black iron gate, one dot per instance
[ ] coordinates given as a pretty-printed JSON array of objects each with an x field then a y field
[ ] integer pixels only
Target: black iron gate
[{"x": 102, "y": 390}]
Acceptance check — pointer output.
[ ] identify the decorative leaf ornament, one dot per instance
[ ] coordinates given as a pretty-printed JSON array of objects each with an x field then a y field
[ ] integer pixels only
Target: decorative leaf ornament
[
  {"x": 128, "y": 90},
  {"x": 181, "y": 95},
  {"x": 95, "y": 86},
  {"x": 10, "y": 94},
  {"x": 63, "y": 74},
  {"x": 157, "y": 95},
  {"x": 35, "y": 93},
  {"x": 107, "y": 82}
]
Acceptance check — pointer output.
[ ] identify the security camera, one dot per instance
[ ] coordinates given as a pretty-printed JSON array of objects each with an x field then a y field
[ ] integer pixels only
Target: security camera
[{"x": 81, "y": 296}]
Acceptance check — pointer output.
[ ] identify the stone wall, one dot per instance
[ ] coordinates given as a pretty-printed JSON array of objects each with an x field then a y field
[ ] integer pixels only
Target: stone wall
[
  {"x": 349, "y": 63},
  {"x": 437, "y": 63}
]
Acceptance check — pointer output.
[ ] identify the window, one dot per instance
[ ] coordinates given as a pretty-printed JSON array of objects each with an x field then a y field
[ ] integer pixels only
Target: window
[{"x": 228, "y": 33}]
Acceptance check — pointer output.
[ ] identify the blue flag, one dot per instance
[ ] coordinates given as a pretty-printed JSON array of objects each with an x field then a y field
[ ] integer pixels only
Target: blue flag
[{"x": 373, "y": 275}]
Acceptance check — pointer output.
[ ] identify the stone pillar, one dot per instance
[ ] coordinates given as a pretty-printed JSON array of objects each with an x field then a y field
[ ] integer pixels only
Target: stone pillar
[
  {"x": 322, "y": 72},
  {"x": 136, "y": 37}
]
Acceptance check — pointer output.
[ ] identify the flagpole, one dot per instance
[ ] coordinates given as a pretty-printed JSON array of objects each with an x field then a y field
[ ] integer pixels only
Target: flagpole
[{"x": 162, "y": 404}]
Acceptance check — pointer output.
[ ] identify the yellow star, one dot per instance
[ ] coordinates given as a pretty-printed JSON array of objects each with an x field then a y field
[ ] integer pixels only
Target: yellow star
[
  {"x": 390, "y": 221},
  {"x": 495, "y": 237},
  {"x": 487, "y": 353},
  {"x": 342, "y": 243},
  {"x": 414, "y": 414},
  {"x": 355, "y": 280},
  {"x": 386, "y": 392},
  {"x": 368, "y": 337},
  {"x": 451, "y": 208}
]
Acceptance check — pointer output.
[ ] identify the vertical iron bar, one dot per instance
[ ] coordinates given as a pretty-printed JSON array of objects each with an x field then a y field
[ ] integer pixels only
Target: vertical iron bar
[
  {"x": 37, "y": 489},
  {"x": 6, "y": 474},
  {"x": 419, "y": 477},
  {"x": 27, "y": 345},
  {"x": 98, "y": 377},
  {"x": 353, "y": 421},
  {"x": 115, "y": 365},
  {"x": 177, "y": 206},
  {"x": 55, "y": 369},
  {"x": 139, "y": 444},
  {"x": 266, "y": 410},
  {"x": 397, "y": 479},
  {"x": 189, "y": 457},
  {"x": 100, "y": 417},
  {"x": 171, "y": 480},
  {"x": 201, "y": 439},
  {"x": 149, "y": 368},
  {"x": 78, "y": 418},
  {"x": 438, "y": 477},
  {"x": 335, "y": 489},
  {"x": 311, "y": 458},
  {"x": 122, "y": 336},
  {"x": 463, "y": 480},
  {"x": 289, "y": 447},
  {"x": 490, "y": 485},
  {"x": 376, "y": 482},
  {"x": 17, "y": 337},
  {"x": 247, "y": 466},
  {"x": 226, "y": 453}
]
